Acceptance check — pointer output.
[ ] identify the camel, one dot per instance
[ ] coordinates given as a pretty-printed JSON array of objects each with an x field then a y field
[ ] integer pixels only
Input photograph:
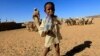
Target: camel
[
  {"x": 30, "y": 26},
  {"x": 68, "y": 21},
  {"x": 77, "y": 21},
  {"x": 90, "y": 20}
]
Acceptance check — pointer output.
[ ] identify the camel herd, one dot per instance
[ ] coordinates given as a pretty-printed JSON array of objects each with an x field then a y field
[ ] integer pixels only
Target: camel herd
[
  {"x": 32, "y": 25},
  {"x": 79, "y": 21}
]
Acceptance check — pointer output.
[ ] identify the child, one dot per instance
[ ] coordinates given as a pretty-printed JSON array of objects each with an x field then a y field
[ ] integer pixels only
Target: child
[{"x": 49, "y": 29}]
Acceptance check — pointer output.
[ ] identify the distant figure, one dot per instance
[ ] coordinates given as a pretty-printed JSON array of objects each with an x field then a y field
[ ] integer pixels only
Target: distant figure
[
  {"x": 49, "y": 28},
  {"x": 0, "y": 20},
  {"x": 6, "y": 19}
]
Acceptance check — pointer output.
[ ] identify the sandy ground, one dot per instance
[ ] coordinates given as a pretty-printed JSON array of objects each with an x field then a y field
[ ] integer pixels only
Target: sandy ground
[{"x": 20, "y": 42}]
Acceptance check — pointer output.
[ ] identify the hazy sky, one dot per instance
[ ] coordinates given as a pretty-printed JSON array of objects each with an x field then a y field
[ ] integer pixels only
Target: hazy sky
[{"x": 21, "y": 10}]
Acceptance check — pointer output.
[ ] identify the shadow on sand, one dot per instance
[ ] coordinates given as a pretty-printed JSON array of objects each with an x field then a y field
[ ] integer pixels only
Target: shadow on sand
[{"x": 78, "y": 48}]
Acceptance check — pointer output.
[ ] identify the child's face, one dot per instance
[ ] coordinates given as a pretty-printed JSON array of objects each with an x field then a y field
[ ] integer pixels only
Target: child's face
[{"x": 49, "y": 10}]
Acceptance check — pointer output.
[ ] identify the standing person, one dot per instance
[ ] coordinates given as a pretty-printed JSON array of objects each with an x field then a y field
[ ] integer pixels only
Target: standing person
[
  {"x": 0, "y": 20},
  {"x": 49, "y": 29}
]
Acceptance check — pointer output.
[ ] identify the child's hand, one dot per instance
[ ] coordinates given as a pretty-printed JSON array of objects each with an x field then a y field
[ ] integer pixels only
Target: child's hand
[{"x": 43, "y": 34}]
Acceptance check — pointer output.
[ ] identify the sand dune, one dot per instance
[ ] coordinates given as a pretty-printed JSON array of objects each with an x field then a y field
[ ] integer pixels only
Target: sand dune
[{"x": 20, "y": 42}]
